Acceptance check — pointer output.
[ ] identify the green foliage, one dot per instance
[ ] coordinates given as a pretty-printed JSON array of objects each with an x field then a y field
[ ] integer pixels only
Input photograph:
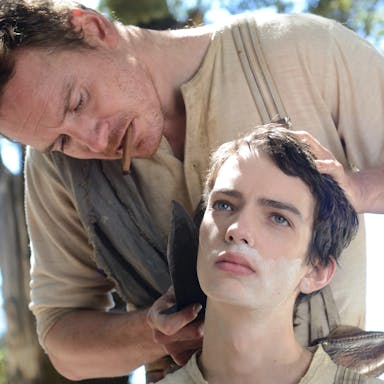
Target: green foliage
[
  {"x": 233, "y": 6},
  {"x": 244, "y": 5},
  {"x": 136, "y": 11},
  {"x": 3, "y": 378},
  {"x": 363, "y": 16}
]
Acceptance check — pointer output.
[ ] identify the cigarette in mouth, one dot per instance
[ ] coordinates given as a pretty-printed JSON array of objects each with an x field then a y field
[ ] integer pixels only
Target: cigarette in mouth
[{"x": 127, "y": 151}]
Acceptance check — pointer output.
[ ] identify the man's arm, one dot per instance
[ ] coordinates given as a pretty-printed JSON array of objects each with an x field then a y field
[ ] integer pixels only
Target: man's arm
[
  {"x": 364, "y": 189},
  {"x": 89, "y": 344},
  {"x": 370, "y": 186}
]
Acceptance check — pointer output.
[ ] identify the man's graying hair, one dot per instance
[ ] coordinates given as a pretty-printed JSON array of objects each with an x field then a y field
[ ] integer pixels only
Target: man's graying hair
[
  {"x": 41, "y": 24},
  {"x": 335, "y": 221}
]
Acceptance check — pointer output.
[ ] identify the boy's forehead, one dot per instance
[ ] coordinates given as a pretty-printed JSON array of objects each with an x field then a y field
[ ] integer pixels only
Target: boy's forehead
[
  {"x": 256, "y": 175},
  {"x": 234, "y": 168}
]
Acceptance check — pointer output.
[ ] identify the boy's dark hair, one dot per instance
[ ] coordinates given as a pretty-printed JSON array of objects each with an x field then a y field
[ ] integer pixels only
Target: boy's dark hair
[
  {"x": 335, "y": 220},
  {"x": 42, "y": 24}
]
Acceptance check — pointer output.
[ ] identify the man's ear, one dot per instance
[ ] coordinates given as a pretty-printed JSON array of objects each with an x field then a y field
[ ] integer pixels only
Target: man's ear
[
  {"x": 97, "y": 29},
  {"x": 317, "y": 277}
]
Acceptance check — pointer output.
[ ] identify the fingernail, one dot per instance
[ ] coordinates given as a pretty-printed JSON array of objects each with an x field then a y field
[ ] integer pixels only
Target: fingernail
[{"x": 197, "y": 308}]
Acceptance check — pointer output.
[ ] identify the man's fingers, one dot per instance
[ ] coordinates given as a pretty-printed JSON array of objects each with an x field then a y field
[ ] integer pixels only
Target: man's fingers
[
  {"x": 191, "y": 331},
  {"x": 170, "y": 324},
  {"x": 165, "y": 301},
  {"x": 178, "y": 334},
  {"x": 182, "y": 357},
  {"x": 181, "y": 351},
  {"x": 154, "y": 316},
  {"x": 329, "y": 166},
  {"x": 317, "y": 149}
]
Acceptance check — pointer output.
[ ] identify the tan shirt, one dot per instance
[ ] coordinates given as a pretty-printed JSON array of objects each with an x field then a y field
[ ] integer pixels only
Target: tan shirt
[
  {"x": 332, "y": 85},
  {"x": 321, "y": 371}
]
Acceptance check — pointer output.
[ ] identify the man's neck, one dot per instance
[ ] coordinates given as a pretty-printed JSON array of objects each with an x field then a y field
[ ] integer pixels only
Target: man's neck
[
  {"x": 172, "y": 58},
  {"x": 241, "y": 346}
]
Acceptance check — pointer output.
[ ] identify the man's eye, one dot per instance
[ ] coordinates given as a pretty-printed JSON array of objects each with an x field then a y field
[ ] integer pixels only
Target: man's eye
[
  {"x": 221, "y": 206},
  {"x": 79, "y": 104},
  {"x": 63, "y": 141},
  {"x": 280, "y": 220}
]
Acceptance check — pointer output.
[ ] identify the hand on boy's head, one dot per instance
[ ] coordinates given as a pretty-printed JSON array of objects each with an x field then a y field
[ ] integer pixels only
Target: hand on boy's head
[
  {"x": 177, "y": 334},
  {"x": 327, "y": 163}
]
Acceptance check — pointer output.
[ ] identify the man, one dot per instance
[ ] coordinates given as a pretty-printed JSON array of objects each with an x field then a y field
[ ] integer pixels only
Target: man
[
  {"x": 263, "y": 243},
  {"x": 76, "y": 83}
]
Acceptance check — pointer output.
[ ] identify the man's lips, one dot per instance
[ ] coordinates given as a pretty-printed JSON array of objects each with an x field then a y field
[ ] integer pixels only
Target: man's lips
[{"x": 234, "y": 263}]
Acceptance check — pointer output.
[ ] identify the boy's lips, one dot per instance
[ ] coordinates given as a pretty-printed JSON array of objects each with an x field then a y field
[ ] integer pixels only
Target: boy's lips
[{"x": 235, "y": 263}]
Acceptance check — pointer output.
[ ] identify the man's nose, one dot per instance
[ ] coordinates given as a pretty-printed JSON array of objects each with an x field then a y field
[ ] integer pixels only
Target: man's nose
[
  {"x": 94, "y": 136},
  {"x": 241, "y": 231}
]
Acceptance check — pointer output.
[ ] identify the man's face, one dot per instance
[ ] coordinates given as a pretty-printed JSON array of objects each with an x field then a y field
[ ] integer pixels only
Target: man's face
[
  {"x": 255, "y": 234},
  {"x": 81, "y": 102}
]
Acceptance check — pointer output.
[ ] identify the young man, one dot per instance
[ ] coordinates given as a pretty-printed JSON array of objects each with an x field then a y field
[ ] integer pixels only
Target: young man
[
  {"x": 76, "y": 83},
  {"x": 273, "y": 229}
]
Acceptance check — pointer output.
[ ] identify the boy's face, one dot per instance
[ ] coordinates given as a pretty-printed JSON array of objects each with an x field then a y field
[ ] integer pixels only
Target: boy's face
[{"x": 255, "y": 234}]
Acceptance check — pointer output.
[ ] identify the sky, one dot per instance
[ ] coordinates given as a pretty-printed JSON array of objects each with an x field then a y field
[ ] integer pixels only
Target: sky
[{"x": 90, "y": 3}]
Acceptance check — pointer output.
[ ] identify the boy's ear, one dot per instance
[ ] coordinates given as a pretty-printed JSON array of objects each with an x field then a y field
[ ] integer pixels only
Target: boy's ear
[
  {"x": 317, "y": 277},
  {"x": 97, "y": 29}
]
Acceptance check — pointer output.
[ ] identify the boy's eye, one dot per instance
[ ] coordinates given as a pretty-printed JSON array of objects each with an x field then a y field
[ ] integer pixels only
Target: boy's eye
[
  {"x": 280, "y": 220},
  {"x": 221, "y": 206}
]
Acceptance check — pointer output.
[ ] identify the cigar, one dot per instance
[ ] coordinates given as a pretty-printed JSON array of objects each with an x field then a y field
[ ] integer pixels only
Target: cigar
[{"x": 127, "y": 151}]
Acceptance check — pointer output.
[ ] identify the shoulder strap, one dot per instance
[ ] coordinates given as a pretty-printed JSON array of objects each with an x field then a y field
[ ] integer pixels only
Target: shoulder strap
[
  {"x": 322, "y": 305},
  {"x": 348, "y": 376},
  {"x": 260, "y": 82},
  {"x": 267, "y": 100}
]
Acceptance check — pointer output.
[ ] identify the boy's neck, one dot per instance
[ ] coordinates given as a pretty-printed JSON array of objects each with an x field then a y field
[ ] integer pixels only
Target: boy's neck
[{"x": 245, "y": 347}]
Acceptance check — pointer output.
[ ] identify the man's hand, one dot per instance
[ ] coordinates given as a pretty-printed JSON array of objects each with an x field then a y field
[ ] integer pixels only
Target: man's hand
[
  {"x": 326, "y": 162},
  {"x": 178, "y": 334}
]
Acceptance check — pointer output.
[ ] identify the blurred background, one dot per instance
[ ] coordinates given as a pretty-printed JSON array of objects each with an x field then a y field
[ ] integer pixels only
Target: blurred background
[{"x": 21, "y": 359}]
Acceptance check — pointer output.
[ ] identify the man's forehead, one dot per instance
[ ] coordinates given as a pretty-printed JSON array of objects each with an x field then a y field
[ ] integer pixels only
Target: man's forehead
[
  {"x": 30, "y": 96},
  {"x": 30, "y": 70}
]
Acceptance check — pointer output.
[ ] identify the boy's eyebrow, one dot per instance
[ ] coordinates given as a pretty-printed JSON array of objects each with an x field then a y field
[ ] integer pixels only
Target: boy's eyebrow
[
  {"x": 280, "y": 205},
  {"x": 228, "y": 192}
]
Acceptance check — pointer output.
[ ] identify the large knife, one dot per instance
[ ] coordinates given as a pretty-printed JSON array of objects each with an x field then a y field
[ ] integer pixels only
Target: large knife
[{"x": 183, "y": 243}]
